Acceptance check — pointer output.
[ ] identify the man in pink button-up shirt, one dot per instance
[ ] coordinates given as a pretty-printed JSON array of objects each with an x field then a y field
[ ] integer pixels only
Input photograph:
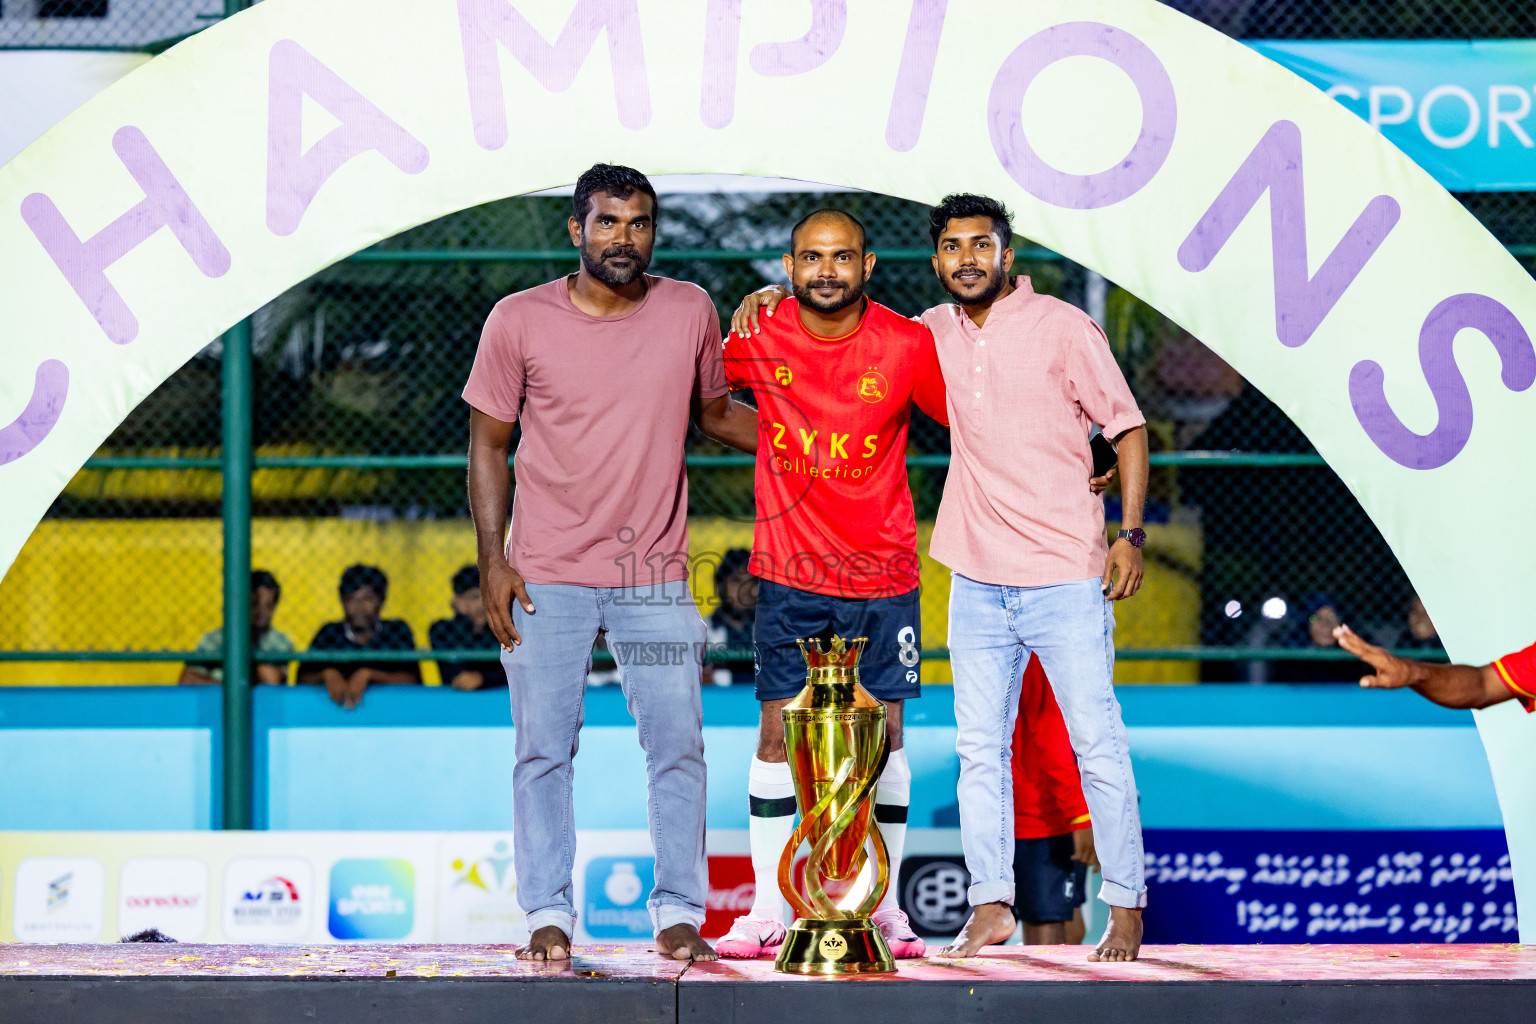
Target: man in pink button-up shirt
[{"x": 1028, "y": 377}]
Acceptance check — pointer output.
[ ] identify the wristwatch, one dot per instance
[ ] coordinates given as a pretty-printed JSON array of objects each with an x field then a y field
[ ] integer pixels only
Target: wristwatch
[{"x": 1136, "y": 535}]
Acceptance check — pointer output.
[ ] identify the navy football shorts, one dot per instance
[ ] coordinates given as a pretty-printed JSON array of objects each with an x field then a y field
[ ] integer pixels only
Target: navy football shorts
[
  {"x": 1048, "y": 883},
  {"x": 888, "y": 668}
]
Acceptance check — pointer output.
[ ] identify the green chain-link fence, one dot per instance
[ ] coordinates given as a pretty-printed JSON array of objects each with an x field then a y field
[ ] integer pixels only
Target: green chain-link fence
[{"x": 360, "y": 433}]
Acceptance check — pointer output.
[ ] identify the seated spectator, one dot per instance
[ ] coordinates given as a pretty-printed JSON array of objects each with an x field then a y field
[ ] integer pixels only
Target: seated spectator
[
  {"x": 1321, "y": 614},
  {"x": 730, "y": 627},
  {"x": 363, "y": 589},
  {"x": 466, "y": 631},
  {"x": 266, "y": 642},
  {"x": 1422, "y": 634}
]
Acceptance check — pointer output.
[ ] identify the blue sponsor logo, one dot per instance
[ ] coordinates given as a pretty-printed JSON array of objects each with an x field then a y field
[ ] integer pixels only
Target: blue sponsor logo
[
  {"x": 372, "y": 899},
  {"x": 617, "y": 888}
]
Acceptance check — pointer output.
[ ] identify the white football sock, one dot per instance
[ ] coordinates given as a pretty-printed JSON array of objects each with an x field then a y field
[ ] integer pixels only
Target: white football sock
[
  {"x": 892, "y": 796},
  {"x": 771, "y": 795}
]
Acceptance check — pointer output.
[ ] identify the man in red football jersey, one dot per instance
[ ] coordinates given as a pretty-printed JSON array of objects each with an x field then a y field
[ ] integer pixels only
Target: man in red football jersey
[
  {"x": 1463, "y": 687},
  {"x": 835, "y": 376},
  {"x": 1052, "y": 830}
]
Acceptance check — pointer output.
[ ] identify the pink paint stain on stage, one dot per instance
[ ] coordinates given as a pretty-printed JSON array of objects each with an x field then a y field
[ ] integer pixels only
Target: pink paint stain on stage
[{"x": 1255, "y": 984}]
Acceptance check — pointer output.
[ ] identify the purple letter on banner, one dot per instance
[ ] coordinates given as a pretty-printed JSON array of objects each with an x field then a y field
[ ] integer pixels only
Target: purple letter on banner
[
  {"x": 829, "y": 20},
  {"x": 27, "y": 431},
  {"x": 915, "y": 74},
  {"x": 1445, "y": 442},
  {"x": 722, "y": 45},
  {"x": 1301, "y": 303},
  {"x": 1159, "y": 115},
  {"x": 722, "y": 41},
  {"x": 165, "y": 205},
  {"x": 485, "y": 23},
  {"x": 293, "y": 177}
]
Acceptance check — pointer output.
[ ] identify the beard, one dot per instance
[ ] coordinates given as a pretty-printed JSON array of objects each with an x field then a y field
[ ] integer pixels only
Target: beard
[
  {"x": 993, "y": 287},
  {"x": 615, "y": 277},
  {"x": 836, "y": 304}
]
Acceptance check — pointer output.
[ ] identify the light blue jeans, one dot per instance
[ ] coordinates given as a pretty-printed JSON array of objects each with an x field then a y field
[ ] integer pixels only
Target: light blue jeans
[
  {"x": 992, "y": 631},
  {"x": 656, "y": 635}
]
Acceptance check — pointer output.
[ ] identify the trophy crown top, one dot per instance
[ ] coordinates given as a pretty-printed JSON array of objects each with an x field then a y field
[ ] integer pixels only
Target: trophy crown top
[{"x": 842, "y": 654}]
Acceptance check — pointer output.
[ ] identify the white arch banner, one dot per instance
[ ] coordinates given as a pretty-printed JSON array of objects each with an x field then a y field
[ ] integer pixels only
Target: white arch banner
[{"x": 1237, "y": 199}]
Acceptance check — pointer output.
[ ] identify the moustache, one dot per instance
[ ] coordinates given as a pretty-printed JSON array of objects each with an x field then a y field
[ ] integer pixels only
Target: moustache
[{"x": 622, "y": 252}]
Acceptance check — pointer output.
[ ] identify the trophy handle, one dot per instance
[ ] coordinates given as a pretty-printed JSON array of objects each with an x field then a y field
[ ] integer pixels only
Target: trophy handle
[
  {"x": 822, "y": 904},
  {"x": 882, "y": 855},
  {"x": 787, "y": 858}
]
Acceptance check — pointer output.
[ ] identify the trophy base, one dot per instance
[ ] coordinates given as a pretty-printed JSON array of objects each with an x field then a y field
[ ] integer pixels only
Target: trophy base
[{"x": 844, "y": 946}]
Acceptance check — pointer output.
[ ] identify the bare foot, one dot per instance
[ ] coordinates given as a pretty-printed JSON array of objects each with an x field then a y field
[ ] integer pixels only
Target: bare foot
[
  {"x": 683, "y": 942},
  {"x": 990, "y": 924},
  {"x": 547, "y": 943},
  {"x": 1122, "y": 939}
]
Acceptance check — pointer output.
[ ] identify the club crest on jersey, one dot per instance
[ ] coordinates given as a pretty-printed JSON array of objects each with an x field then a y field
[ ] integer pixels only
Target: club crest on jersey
[
  {"x": 872, "y": 386},
  {"x": 782, "y": 376}
]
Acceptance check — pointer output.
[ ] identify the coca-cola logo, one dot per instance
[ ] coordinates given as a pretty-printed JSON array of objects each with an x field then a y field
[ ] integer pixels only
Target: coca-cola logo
[
  {"x": 735, "y": 901},
  {"x": 142, "y": 902},
  {"x": 730, "y": 894}
]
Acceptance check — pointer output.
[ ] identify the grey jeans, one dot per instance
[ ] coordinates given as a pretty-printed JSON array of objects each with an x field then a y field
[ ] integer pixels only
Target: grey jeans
[{"x": 656, "y": 634}]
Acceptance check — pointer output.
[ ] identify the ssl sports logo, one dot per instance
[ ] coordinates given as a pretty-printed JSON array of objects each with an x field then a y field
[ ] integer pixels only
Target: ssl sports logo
[
  {"x": 933, "y": 893},
  {"x": 617, "y": 888},
  {"x": 372, "y": 898}
]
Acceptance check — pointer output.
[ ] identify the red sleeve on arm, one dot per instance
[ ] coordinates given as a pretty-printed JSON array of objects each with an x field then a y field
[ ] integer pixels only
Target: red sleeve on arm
[
  {"x": 734, "y": 349},
  {"x": 498, "y": 378},
  {"x": 929, "y": 394},
  {"x": 1518, "y": 671},
  {"x": 1097, "y": 383}
]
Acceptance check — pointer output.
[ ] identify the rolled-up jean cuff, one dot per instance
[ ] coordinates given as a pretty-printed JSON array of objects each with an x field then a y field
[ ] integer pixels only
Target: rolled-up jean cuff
[
  {"x": 1120, "y": 896},
  {"x": 990, "y": 892},
  {"x": 553, "y": 917},
  {"x": 667, "y": 915}
]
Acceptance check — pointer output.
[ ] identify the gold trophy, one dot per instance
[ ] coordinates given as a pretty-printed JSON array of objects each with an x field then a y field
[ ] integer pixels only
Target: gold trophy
[{"x": 834, "y": 734}]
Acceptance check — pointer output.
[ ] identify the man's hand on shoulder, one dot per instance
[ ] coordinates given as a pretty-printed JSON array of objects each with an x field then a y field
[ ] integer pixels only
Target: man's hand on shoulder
[
  {"x": 744, "y": 320},
  {"x": 501, "y": 585}
]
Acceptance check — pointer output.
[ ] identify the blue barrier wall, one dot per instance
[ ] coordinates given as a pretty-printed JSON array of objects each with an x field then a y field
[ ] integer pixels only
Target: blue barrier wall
[{"x": 1212, "y": 757}]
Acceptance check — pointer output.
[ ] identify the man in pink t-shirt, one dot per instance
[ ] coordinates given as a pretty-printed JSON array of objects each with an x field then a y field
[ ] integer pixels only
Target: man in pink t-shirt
[
  {"x": 604, "y": 369},
  {"x": 1028, "y": 377}
]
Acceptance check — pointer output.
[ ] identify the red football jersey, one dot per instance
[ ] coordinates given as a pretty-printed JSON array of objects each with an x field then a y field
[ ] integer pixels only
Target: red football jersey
[
  {"x": 1518, "y": 671},
  {"x": 834, "y": 511},
  {"x": 1047, "y": 793}
]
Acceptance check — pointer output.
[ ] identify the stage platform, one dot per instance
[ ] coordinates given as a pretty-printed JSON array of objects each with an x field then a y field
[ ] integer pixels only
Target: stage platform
[{"x": 180, "y": 984}]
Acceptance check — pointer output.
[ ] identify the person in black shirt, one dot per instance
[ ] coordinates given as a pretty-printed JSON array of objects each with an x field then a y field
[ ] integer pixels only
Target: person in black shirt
[
  {"x": 467, "y": 630},
  {"x": 363, "y": 591},
  {"x": 730, "y": 627}
]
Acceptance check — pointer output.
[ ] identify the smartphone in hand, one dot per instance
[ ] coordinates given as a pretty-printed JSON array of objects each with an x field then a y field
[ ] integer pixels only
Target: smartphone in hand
[{"x": 1104, "y": 457}]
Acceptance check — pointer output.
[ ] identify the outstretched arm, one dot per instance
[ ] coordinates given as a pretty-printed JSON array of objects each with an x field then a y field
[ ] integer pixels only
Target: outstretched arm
[
  {"x": 489, "y": 485},
  {"x": 1461, "y": 687}
]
